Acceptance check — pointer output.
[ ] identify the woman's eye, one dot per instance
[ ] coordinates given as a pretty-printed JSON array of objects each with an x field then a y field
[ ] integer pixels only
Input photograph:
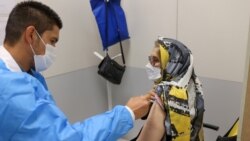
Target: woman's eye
[{"x": 53, "y": 42}]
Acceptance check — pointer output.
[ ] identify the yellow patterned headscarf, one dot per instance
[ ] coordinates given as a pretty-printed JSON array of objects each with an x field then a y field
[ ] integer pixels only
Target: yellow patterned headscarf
[
  {"x": 164, "y": 56},
  {"x": 180, "y": 94},
  {"x": 178, "y": 75}
]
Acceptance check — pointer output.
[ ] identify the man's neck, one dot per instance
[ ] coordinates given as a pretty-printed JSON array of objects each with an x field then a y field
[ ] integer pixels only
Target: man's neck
[{"x": 19, "y": 55}]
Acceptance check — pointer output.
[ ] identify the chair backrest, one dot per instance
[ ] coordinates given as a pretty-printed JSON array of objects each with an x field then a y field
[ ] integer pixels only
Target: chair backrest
[{"x": 231, "y": 134}]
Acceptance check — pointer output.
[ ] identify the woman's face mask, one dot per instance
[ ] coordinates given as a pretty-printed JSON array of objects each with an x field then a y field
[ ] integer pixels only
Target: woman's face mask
[
  {"x": 154, "y": 73},
  {"x": 43, "y": 62},
  {"x": 153, "y": 67}
]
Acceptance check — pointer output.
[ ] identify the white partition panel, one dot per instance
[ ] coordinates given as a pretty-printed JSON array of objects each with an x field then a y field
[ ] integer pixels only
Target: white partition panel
[
  {"x": 216, "y": 32},
  {"x": 79, "y": 37},
  {"x": 146, "y": 21}
]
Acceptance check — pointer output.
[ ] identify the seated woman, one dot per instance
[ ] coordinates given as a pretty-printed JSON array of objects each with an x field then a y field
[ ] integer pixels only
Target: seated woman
[{"x": 177, "y": 113}]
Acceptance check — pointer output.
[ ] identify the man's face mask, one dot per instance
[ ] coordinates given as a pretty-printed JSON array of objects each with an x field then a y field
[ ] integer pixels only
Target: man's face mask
[
  {"x": 43, "y": 62},
  {"x": 154, "y": 73}
]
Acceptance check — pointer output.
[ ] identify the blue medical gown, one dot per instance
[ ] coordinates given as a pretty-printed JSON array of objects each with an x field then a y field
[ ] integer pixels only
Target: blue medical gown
[{"x": 29, "y": 113}]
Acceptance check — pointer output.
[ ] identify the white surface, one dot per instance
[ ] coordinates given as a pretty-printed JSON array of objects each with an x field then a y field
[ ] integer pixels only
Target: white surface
[
  {"x": 79, "y": 37},
  {"x": 98, "y": 55},
  {"x": 5, "y": 8},
  {"x": 216, "y": 32},
  {"x": 3, "y": 21},
  {"x": 147, "y": 20}
]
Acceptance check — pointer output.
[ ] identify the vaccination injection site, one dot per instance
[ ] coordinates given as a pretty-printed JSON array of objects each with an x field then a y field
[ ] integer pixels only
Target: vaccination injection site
[{"x": 124, "y": 70}]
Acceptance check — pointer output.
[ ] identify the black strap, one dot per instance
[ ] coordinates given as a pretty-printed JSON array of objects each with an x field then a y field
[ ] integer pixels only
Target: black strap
[
  {"x": 211, "y": 126},
  {"x": 106, "y": 19},
  {"x": 134, "y": 139},
  {"x": 118, "y": 30},
  {"x": 123, "y": 58}
]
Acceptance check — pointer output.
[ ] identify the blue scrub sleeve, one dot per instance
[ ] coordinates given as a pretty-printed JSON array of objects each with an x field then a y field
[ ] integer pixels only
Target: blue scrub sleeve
[
  {"x": 48, "y": 123},
  {"x": 109, "y": 126},
  {"x": 29, "y": 113}
]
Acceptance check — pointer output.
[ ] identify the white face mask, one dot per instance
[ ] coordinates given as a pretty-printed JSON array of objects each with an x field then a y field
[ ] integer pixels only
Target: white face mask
[
  {"x": 154, "y": 73},
  {"x": 43, "y": 62}
]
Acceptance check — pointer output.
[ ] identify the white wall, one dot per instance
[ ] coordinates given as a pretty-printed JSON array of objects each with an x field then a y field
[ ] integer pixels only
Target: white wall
[
  {"x": 5, "y": 8},
  {"x": 146, "y": 21},
  {"x": 79, "y": 36},
  {"x": 215, "y": 31},
  {"x": 80, "y": 94}
]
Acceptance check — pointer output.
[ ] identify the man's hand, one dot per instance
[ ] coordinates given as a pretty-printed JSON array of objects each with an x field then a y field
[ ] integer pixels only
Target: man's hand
[{"x": 140, "y": 104}]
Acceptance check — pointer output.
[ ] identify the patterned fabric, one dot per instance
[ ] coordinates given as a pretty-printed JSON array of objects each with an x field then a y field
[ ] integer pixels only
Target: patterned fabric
[{"x": 181, "y": 93}]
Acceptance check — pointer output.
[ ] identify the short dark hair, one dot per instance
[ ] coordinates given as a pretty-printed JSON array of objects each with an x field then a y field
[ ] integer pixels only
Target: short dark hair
[{"x": 29, "y": 13}]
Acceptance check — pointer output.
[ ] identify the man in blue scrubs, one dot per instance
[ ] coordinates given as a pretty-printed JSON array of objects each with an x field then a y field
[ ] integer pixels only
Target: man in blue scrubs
[{"x": 27, "y": 109}]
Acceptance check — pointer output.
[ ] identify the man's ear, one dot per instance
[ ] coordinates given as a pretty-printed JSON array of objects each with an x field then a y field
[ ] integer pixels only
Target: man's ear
[{"x": 29, "y": 34}]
